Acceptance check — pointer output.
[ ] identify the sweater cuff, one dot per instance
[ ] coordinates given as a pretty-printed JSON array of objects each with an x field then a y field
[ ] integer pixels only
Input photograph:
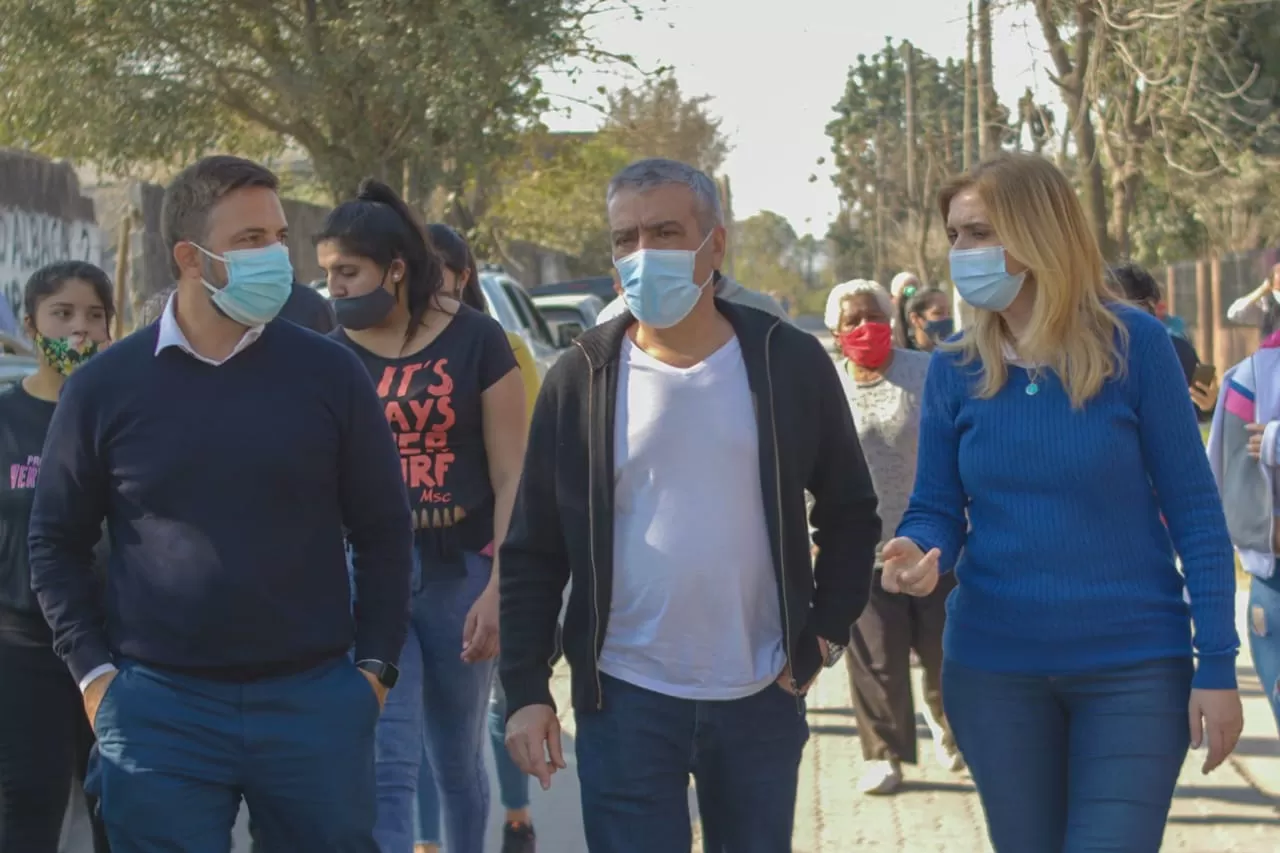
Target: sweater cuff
[
  {"x": 381, "y": 649},
  {"x": 87, "y": 658},
  {"x": 1217, "y": 672},
  {"x": 945, "y": 564},
  {"x": 523, "y": 689}
]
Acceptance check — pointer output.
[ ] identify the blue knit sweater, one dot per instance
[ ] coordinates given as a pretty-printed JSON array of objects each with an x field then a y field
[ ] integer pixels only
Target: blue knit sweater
[{"x": 1054, "y": 516}]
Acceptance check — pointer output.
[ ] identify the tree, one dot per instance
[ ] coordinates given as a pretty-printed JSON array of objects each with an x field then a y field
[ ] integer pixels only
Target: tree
[
  {"x": 551, "y": 190},
  {"x": 900, "y": 131},
  {"x": 656, "y": 119},
  {"x": 553, "y": 195},
  {"x": 418, "y": 94},
  {"x": 1154, "y": 86},
  {"x": 770, "y": 257},
  {"x": 989, "y": 125}
]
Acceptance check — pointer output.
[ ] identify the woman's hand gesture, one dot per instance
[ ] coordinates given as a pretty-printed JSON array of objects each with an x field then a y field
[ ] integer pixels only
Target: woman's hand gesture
[{"x": 907, "y": 569}]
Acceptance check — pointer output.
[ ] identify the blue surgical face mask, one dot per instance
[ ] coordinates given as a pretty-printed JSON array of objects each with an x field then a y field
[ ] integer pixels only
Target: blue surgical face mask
[
  {"x": 259, "y": 282},
  {"x": 981, "y": 279},
  {"x": 658, "y": 285},
  {"x": 940, "y": 330}
]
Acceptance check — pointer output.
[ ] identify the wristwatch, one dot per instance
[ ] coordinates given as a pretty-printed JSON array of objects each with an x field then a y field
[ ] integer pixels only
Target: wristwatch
[
  {"x": 835, "y": 651},
  {"x": 386, "y": 673}
]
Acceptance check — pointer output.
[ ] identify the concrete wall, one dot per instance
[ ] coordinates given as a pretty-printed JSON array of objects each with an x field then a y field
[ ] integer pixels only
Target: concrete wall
[{"x": 44, "y": 217}]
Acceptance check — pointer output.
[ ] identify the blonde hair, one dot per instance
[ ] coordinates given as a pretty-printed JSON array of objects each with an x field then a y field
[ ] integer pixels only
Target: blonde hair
[{"x": 1040, "y": 222}]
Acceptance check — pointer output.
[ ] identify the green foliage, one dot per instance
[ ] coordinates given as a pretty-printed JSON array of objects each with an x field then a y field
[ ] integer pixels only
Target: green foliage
[
  {"x": 419, "y": 94},
  {"x": 885, "y": 226},
  {"x": 551, "y": 191},
  {"x": 656, "y": 119},
  {"x": 771, "y": 258}
]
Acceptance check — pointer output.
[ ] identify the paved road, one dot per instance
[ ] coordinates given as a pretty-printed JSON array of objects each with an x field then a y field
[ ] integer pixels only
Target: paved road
[{"x": 1237, "y": 809}]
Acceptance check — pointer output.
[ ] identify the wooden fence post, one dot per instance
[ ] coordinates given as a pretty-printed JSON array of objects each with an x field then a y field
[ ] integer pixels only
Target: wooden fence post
[
  {"x": 122, "y": 274},
  {"x": 1204, "y": 310}
]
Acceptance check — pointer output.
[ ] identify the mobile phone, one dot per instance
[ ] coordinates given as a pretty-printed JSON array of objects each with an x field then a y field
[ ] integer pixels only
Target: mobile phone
[{"x": 1204, "y": 375}]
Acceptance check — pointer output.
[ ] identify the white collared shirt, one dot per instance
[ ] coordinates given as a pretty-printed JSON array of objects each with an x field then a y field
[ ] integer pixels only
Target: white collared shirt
[{"x": 171, "y": 336}]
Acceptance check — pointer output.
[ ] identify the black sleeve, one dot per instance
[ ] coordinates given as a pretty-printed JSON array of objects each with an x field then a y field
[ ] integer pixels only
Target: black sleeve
[
  {"x": 535, "y": 561},
  {"x": 66, "y": 524},
  {"x": 375, "y": 512},
  {"x": 1187, "y": 357},
  {"x": 844, "y": 520},
  {"x": 307, "y": 308},
  {"x": 496, "y": 357}
]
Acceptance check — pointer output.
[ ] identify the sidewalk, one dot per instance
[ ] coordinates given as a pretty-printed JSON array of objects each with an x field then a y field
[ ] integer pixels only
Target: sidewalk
[{"x": 1234, "y": 810}]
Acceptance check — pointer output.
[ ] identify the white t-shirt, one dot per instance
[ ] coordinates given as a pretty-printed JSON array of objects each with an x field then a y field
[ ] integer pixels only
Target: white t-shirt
[{"x": 695, "y": 598}]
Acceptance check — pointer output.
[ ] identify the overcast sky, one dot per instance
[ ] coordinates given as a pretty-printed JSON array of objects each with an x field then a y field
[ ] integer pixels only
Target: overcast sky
[{"x": 775, "y": 70}]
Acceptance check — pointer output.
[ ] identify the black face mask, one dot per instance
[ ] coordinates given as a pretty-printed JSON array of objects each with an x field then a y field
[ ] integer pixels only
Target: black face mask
[{"x": 364, "y": 312}]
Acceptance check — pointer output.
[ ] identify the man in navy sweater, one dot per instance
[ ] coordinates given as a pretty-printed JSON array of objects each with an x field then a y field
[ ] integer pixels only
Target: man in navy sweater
[{"x": 228, "y": 451}]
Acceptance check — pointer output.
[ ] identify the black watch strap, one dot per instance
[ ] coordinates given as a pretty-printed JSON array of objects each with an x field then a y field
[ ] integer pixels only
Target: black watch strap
[{"x": 386, "y": 673}]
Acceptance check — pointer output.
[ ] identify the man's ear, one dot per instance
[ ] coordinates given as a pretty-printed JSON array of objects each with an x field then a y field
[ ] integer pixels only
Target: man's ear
[{"x": 188, "y": 258}]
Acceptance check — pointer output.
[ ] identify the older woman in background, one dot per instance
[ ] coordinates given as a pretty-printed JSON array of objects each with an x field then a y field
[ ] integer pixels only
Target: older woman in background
[{"x": 883, "y": 384}]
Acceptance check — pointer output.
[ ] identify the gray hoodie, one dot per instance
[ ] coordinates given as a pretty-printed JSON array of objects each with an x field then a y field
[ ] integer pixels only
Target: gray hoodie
[
  {"x": 1250, "y": 394},
  {"x": 726, "y": 288}
]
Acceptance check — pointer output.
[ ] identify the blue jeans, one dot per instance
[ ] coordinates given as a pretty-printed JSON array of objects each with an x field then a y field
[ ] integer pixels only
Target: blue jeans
[
  {"x": 1264, "y": 636},
  {"x": 635, "y": 756},
  {"x": 399, "y": 753},
  {"x": 1073, "y": 763},
  {"x": 451, "y": 697},
  {"x": 513, "y": 784},
  {"x": 177, "y": 753}
]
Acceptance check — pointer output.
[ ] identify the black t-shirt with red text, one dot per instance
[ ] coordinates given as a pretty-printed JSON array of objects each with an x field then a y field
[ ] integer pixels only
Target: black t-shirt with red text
[{"x": 432, "y": 401}]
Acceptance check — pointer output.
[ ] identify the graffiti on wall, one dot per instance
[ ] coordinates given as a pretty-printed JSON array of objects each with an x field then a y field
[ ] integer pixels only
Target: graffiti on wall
[{"x": 29, "y": 241}]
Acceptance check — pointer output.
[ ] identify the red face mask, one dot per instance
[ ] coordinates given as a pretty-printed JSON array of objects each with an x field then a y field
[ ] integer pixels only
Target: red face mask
[{"x": 868, "y": 345}]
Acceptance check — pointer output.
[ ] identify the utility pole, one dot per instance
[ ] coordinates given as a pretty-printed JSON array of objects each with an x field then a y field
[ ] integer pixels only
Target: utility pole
[
  {"x": 988, "y": 131},
  {"x": 967, "y": 125}
]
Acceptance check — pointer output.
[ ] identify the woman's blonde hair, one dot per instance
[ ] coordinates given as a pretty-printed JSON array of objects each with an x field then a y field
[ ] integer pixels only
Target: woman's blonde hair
[{"x": 1040, "y": 222}]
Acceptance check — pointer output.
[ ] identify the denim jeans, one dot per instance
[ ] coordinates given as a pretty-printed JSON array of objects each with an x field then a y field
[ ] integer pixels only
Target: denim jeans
[
  {"x": 178, "y": 753},
  {"x": 1264, "y": 636},
  {"x": 1073, "y": 763},
  {"x": 455, "y": 696},
  {"x": 399, "y": 753},
  {"x": 636, "y": 753},
  {"x": 513, "y": 784}
]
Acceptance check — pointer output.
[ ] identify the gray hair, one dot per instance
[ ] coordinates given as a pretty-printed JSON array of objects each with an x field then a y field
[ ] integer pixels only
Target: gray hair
[
  {"x": 857, "y": 287},
  {"x": 658, "y": 172},
  {"x": 184, "y": 216}
]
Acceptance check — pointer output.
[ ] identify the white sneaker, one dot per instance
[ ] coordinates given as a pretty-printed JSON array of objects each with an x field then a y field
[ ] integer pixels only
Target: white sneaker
[
  {"x": 881, "y": 778},
  {"x": 948, "y": 759}
]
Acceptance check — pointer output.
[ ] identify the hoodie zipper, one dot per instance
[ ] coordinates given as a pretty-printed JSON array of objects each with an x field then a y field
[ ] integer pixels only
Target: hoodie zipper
[
  {"x": 591, "y": 527},
  {"x": 782, "y": 535}
]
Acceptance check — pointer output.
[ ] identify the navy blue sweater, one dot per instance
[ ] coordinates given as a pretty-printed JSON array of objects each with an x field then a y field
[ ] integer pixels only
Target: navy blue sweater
[
  {"x": 1054, "y": 517},
  {"x": 226, "y": 492}
]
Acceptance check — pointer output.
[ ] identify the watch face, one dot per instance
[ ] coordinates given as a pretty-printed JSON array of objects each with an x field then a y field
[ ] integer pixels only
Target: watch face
[
  {"x": 389, "y": 676},
  {"x": 386, "y": 673}
]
